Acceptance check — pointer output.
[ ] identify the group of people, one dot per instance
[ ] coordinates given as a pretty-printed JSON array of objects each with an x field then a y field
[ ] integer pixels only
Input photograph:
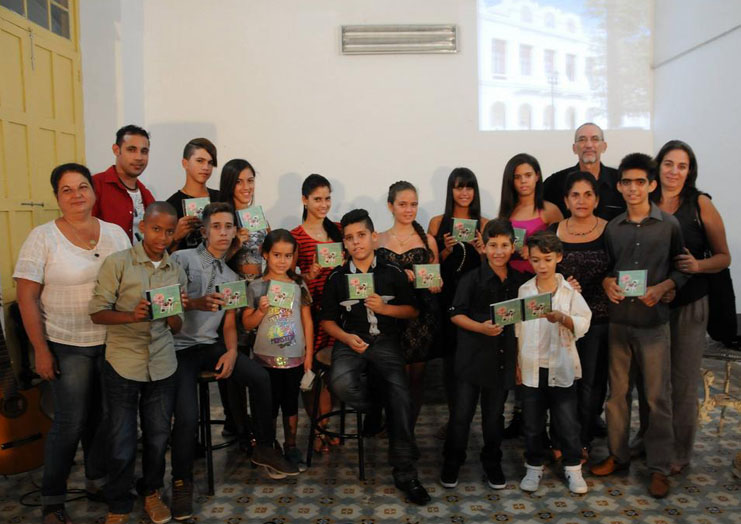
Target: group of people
[{"x": 82, "y": 282}]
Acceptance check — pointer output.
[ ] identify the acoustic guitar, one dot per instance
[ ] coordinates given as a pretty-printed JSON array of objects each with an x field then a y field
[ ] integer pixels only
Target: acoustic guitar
[{"x": 23, "y": 424}]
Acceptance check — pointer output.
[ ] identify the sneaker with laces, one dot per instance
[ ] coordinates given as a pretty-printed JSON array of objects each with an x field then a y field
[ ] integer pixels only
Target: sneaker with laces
[
  {"x": 495, "y": 477},
  {"x": 295, "y": 457},
  {"x": 577, "y": 484},
  {"x": 270, "y": 457},
  {"x": 116, "y": 518},
  {"x": 531, "y": 480},
  {"x": 157, "y": 510},
  {"x": 449, "y": 475},
  {"x": 182, "y": 499}
]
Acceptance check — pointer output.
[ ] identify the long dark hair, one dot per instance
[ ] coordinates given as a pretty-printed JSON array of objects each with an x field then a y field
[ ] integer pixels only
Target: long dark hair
[
  {"x": 463, "y": 177},
  {"x": 395, "y": 189},
  {"x": 510, "y": 198},
  {"x": 690, "y": 182},
  {"x": 283, "y": 235},
  {"x": 229, "y": 178},
  {"x": 311, "y": 183}
]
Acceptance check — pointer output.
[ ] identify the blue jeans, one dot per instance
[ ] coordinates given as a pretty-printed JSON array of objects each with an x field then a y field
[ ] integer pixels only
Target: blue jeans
[
  {"x": 78, "y": 412},
  {"x": 562, "y": 404},
  {"x": 247, "y": 373},
  {"x": 154, "y": 403},
  {"x": 348, "y": 379}
]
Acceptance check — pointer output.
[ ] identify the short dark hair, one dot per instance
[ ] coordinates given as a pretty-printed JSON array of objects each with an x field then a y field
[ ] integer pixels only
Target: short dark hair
[
  {"x": 580, "y": 176},
  {"x": 355, "y": 216},
  {"x": 200, "y": 143},
  {"x": 59, "y": 171},
  {"x": 217, "y": 207},
  {"x": 130, "y": 129},
  {"x": 160, "y": 206},
  {"x": 638, "y": 161},
  {"x": 545, "y": 241},
  {"x": 499, "y": 226}
]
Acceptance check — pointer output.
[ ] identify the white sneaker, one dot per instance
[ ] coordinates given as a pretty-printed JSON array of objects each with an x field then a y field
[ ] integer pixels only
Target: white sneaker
[
  {"x": 577, "y": 484},
  {"x": 531, "y": 480}
]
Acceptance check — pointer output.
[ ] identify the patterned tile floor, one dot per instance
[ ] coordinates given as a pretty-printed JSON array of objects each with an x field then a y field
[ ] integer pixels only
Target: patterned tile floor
[{"x": 330, "y": 492}]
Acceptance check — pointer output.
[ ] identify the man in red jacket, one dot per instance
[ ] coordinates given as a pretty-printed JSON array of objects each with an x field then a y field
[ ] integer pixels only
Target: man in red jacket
[{"x": 121, "y": 197}]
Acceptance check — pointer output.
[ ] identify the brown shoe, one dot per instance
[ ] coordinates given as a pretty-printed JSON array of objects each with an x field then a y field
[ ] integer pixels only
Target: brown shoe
[
  {"x": 158, "y": 512},
  {"x": 117, "y": 518},
  {"x": 58, "y": 516},
  {"x": 608, "y": 466},
  {"x": 659, "y": 487}
]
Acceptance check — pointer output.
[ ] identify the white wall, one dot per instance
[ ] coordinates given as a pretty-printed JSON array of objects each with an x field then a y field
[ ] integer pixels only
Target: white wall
[
  {"x": 266, "y": 81},
  {"x": 696, "y": 99}
]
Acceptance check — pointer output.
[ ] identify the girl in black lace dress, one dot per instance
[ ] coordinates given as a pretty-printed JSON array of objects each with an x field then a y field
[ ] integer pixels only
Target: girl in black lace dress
[{"x": 405, "y": 245}]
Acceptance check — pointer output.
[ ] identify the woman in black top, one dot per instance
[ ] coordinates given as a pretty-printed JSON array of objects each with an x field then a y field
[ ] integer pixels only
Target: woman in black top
[
  {"x": 706, "y": 251},
  {"x": 585, "y": 258}
]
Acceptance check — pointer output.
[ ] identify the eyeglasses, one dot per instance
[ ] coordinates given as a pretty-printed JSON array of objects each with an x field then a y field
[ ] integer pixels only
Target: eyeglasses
[{"x": 627, "y": 182}]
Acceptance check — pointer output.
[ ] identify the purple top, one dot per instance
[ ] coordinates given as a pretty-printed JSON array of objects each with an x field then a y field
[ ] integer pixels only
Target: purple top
[{"x": 532, "y": 226}]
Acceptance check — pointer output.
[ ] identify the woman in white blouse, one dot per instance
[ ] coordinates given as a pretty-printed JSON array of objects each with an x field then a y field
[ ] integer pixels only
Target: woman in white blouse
[{"x": 56, "y": 272}]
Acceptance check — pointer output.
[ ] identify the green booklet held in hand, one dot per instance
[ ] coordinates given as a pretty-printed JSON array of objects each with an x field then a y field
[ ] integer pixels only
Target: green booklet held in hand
[
  {"x": 193, "y": 207},
  {"x": 507, "y": 312},
  {"x": 280, "y": 294},
  {"x": 360, "y": 285},
  {"x": 329, "y": 255},
  {"x": 234, "y": 294},
  {"x": 520, "y": 238},
  {"x": 252, "y": 218},
  {"x": 536, "y": 306},
  {"x": 426, "y": 276},
  {"x": 633, "y": 283},
  {"x": 164, "y": 301},
  {"x": 464, "y": 229}
]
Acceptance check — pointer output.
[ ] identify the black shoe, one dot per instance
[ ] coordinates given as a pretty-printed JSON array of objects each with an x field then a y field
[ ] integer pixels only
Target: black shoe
[
  {"x": 182, "y": 499},
  {"x": 495, "y": 477},
  {"x": 514, "y": 429},
  {"x": 415, "y": 492},
  {"x": 449, "y": 475}
]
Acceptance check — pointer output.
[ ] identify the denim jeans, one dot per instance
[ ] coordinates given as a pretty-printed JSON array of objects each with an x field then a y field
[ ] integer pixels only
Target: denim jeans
[
  {"x": 562, "y": 404},
  {"x": 154, "y": 403},
  {"x": 348, "y": 379},
  {"x": 191, "y": 362},
  {"x": 492, "y": 422},
  {"x": 593, "y": 350},
  {"x": 78, "y": 413}
]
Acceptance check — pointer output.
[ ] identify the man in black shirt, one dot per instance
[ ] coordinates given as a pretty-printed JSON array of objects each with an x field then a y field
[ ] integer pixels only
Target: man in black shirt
[
  {"x": 589, "y": 144},
  {"x": 367, "y": 341}
]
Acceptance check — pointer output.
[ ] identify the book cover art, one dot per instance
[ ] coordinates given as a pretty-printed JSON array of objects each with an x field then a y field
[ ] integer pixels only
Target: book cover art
[
  {"x": 633, "y": 283},
  {"x": 536, "y": 306},
  {"x": 280, "y": 294},
  {"x": 520, "y": 238},
  {"x": 464, "y": 229},
  {"x": 252, "y": 218},
  {"x": 193, "y": 207},
  {"x": 164, "y": 301},
  {"x": 360, "y": 285},
  {"x": 507, "y": 312},
  {"x": 329, "y": 255},
  {"x": 426, "y": 276},
  {"x": 234, "y": 294}
]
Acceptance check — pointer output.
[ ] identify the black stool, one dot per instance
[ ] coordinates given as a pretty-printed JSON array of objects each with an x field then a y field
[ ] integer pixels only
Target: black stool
[
  {"x": 323, "y": 358},
  {"x": 204, "y": 425}
]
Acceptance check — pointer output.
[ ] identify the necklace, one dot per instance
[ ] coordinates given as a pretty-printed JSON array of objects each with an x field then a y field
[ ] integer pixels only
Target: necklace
[
  {"x": 585, "y": 233},
  {"x": 320, "y": 234},
  {"x": 91, "y": 242},
  {"x": 406, "y": 238}
]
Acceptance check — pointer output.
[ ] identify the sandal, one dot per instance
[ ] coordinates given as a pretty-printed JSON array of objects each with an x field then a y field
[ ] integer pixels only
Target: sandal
[{"x": 320, "y": 444}]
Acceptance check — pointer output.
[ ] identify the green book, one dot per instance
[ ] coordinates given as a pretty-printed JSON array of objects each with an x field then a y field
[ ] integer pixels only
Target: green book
[
  {"x": 280, "y": 294},
  {"x": 426, "y": 276},
  {"x": 536, "y": 306},
  {"x": 164, "y": 301},
  {"x": 633, "y": 283},
  {"x": 360, "y": 285},
  {"x": 193, "y": 207},
  {"x": 520, "y": 238},
  {"x": 234, "y": 293},
  {"x": 464, "y": 229},
  {"x": 507, "y": 312},
  {"x": 252, "y": 218},
  {"x": 329, "y": 255}
]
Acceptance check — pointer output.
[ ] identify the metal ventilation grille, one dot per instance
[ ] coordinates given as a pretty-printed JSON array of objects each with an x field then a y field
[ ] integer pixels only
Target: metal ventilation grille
[{"x": 398, "y": 39}]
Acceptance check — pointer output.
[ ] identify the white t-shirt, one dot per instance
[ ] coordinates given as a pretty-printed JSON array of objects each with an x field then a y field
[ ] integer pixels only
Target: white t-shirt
[
  {"x": 68, "y": 275},
  {"x": 136, "y": 199}
]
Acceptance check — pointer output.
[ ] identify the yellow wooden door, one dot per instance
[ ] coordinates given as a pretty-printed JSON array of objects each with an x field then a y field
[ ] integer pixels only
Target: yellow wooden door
[{"x": 41, "y": 121}]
